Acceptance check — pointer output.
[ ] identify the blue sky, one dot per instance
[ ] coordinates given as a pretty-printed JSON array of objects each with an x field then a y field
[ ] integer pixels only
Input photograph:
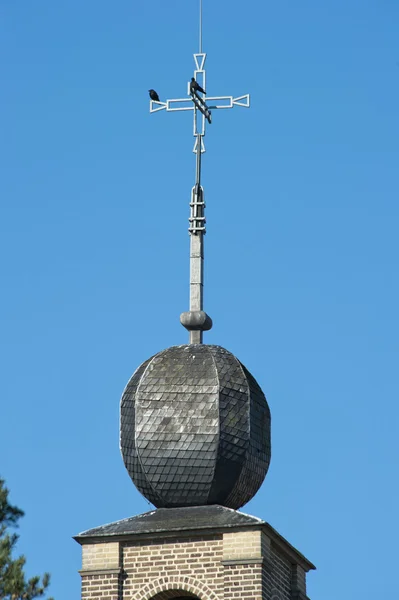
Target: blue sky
[{"x": 301, "y": 259}]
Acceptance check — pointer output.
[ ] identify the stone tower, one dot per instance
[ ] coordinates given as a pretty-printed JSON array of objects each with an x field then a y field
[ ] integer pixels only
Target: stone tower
[{"x": 195, "y": 440}]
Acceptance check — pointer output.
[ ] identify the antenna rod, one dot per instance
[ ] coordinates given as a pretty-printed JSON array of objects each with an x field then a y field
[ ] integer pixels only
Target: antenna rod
[{"x": 200, "y": 28}]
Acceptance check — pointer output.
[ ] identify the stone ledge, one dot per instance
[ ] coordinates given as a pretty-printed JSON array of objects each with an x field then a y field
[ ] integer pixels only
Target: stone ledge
[
  {"x": 243, "y": 561},
  {"x": 85, "y": 572}
]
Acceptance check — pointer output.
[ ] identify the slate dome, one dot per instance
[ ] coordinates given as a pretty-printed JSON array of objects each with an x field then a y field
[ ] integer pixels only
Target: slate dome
[{"x": 195, "y": 428}]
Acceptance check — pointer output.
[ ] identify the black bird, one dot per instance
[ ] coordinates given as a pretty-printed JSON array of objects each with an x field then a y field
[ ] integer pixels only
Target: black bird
[
  {"x": 154, "y": 95},
  {"x": 195, "y": 87}
]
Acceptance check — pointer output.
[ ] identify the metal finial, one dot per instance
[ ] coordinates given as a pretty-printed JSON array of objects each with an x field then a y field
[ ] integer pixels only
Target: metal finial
[{"x": 196, "y": 321}]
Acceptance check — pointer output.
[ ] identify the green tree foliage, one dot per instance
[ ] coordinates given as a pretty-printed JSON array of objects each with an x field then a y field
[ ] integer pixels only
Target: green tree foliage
[{"x": 13, "y": 583}]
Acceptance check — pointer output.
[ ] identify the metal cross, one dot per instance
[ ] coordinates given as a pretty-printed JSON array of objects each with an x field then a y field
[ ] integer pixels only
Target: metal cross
[
  {"x": 196, "y": 320},
  {"x": 196, "y": 103}
]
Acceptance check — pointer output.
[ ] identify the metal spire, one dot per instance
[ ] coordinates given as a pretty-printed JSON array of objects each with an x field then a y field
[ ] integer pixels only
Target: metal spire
[{"x": 196, "y": 320}]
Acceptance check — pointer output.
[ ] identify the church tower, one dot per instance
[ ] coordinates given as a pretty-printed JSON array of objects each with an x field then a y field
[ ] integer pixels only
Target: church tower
[{"x": 195, "y": 440}]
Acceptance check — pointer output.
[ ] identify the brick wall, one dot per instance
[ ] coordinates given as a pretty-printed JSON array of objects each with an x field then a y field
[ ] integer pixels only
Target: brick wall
[
  {"x": 106, "y": 586},
  {"x": 242, "y": 544},
  {"x": 243, "y": 581},
  {"x": 280, "y": 575},
  {"x": 174, "y": 560},
  {"x": 225, "y": 566},
  {"x": 100, "y": 556}
]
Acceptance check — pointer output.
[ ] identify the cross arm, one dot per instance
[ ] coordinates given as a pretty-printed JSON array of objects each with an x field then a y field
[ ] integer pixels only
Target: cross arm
[
  {"x": 179, "y": 104},
  {"x": 174, "y": 105},
  {"x": 229, "y": 101}
]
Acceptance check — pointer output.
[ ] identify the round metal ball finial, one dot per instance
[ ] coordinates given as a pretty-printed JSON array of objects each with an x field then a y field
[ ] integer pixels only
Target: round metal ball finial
[{"x": 195, "y": 428}]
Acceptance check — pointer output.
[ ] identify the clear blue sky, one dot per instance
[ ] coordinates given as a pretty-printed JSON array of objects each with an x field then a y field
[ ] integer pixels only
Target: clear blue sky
[{"x": 301, "y": 259}]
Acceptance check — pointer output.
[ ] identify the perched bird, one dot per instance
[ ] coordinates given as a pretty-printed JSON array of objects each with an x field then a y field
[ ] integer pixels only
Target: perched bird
[
  {"x": 195, "y": 87},
  {"x": 154, "y": 95}
]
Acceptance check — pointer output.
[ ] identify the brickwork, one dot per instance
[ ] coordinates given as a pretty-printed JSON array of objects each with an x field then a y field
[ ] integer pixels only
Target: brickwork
[
  {"x": 100, "y": 556},
  {"x": 298, "y": 581},
  {"x": 106, "y": 586},
  {"x": 167, "y": 588},
  {"x": 231, "y": 565},
  {"x": 242, "y": 544},
  {"x": 243, "y": 581},
  {"x": 197, "y": 559},
  {"x": 280, "y": 575}
]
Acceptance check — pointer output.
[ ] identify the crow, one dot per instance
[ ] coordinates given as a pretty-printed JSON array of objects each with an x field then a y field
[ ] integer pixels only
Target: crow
[
  {"x": 154, "y": 95},
  {"x": 195, "y": 87}
]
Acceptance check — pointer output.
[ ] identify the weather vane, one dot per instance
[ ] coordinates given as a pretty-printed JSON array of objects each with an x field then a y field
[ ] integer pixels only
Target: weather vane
[{"x": 196, "y": 321}]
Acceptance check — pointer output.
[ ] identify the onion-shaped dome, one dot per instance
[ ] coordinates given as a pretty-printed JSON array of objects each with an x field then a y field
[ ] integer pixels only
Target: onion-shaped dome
[{"x": 195, "y": 428}]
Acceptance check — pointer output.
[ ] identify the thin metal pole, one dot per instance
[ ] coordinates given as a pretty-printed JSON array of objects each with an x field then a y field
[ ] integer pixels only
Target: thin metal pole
[
  {"x": 197, "y": 239},
  {"x": 197, "y": 249},
  {"x": 198, "y": 162},
  {"x": 200, "y": 28}
]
